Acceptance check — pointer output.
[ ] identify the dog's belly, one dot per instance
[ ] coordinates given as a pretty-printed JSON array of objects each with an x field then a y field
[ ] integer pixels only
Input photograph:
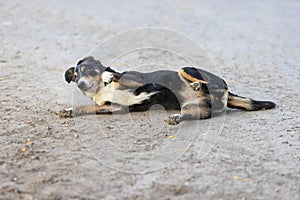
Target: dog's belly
[{"x": 125, "y": 97}]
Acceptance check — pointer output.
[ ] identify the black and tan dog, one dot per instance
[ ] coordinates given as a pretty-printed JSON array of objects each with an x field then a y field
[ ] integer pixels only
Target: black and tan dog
[{"x": 196, "y": 93}]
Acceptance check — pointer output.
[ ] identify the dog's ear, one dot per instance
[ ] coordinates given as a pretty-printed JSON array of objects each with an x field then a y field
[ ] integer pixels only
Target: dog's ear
[{"x": 70, "y": 74}]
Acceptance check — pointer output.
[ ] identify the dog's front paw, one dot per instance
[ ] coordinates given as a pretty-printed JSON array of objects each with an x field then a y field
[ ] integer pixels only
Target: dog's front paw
[
  {"x": 174, "y": 119},
  {"x": 66, "y": 113},
  {"x": 107, "y": 77}
]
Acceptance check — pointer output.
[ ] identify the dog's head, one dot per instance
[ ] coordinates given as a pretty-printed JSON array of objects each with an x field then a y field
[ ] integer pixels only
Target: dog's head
[{"x": 87, "y": 74}]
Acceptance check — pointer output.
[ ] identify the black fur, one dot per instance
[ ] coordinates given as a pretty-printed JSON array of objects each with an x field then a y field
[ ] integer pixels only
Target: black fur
[
  {"x": 259, "y": 105},
  {"x": 164, "y": 97},
  {"x": 69, "y": 74}
]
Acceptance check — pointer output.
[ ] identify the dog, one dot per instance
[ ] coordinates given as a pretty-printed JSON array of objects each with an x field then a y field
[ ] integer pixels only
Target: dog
[{"x": 198, "y": 94}]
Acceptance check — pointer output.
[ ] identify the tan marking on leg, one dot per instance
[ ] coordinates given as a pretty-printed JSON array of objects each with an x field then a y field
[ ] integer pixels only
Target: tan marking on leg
[
  {"x": 225, "y": 99},
  {"x": 116, "y": 85},
  {"x": 97, "y": 109},
  {"x": 241, "y": 102},
  {"x": 86, "y": 109},
  {"x": 196, "y": 111},
  {"x": 185, "y": 75}
]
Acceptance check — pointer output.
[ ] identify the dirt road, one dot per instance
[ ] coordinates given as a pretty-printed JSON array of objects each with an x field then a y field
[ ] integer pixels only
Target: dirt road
[{"x": 241, "y": 155}]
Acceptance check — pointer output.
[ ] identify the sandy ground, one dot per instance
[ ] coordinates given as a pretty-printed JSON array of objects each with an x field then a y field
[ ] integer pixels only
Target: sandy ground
[{"x": 240, "y": 155}]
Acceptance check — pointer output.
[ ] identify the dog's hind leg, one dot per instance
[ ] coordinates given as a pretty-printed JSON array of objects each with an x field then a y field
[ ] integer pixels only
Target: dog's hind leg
[
  {"x": 84, "y": 110},
  {"x": 191, "y": 111}
]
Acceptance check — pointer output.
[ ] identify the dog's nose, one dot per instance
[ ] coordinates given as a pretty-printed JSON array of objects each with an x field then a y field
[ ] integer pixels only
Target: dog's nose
[{"x": 82, "y": 85}]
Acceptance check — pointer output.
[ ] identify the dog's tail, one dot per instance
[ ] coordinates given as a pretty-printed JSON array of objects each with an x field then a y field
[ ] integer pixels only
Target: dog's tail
[{"x": 235, "y": 101}]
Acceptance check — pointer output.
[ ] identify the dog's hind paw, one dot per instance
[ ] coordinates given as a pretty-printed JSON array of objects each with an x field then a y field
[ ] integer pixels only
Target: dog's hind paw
[
  {"x": 66, "y": 113},
  {"x": 174, "y": 119},
  {"x": 196, "y": 86}
]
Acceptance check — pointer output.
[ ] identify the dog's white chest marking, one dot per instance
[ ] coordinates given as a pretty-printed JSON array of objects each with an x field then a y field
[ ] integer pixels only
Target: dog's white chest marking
[{"x": 123, "y": 97}]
